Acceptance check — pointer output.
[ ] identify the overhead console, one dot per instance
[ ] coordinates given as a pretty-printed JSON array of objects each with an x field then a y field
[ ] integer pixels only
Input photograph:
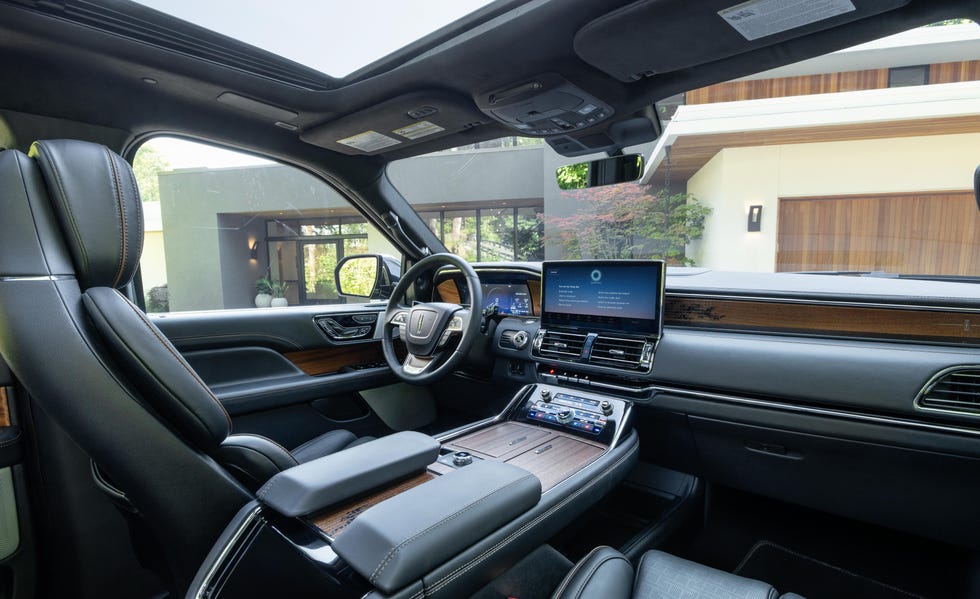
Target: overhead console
[
  {"x": 599, "y": 316},
  {"x": 544, "y": 105}
]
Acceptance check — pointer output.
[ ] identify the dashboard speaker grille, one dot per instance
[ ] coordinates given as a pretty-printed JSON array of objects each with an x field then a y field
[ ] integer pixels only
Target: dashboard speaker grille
[{"x": 956, "y": 390}]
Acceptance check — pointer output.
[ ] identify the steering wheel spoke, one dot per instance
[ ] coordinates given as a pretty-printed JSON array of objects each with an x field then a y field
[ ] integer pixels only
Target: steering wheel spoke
[{"x": 427, "y": 328}]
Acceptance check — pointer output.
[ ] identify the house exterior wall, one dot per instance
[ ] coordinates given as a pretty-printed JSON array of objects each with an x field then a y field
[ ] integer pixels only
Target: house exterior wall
[{"x": 737, "y": 178}]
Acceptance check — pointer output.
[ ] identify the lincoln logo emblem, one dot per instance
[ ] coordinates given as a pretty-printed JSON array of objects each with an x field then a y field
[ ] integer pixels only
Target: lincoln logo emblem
[{"x": 418, "y": 327}]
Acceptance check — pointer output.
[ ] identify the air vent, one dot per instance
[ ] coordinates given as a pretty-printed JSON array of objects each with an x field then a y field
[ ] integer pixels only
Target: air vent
[
  {"x": 954, "y": 390},
  {"x": 619, "y": 352},
  {"x": 511, "y": 339},
  {"x": 561, "y": 344}
]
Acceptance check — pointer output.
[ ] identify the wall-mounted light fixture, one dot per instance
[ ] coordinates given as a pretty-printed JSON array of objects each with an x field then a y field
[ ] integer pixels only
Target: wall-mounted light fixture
[
  {"x": 253, "y": 251},
  {"x": 755, "y": 218}
]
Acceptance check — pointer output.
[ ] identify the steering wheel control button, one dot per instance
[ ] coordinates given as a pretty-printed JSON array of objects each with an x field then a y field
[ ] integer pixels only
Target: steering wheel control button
[{"x": 462, "y": 458}]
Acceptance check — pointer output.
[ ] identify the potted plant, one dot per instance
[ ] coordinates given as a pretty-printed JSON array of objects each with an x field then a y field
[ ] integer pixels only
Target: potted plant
[
  {"x": 263, "y": 288},
  {"x": 278, "y": 289}
]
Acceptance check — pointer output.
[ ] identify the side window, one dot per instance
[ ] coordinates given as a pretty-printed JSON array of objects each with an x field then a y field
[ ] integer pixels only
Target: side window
[{"x": 228, "y": 230}]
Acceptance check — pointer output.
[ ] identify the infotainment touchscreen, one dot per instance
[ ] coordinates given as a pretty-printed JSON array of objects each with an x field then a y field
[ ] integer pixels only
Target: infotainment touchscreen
[{"x": 618, "y": 295}]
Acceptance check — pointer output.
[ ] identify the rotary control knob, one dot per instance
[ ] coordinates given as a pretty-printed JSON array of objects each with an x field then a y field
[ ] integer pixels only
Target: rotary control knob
[
  {"x": 520, "y": 340},
  {"x": 546, "y": 395},
  {"x": 462, "y": 458},
  {"x": 606, "y": 407},
  {"x": 565, "y": 416}
]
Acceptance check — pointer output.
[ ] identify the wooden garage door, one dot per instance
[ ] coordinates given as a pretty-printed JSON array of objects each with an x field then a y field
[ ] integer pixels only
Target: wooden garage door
[{"x": 922, "y": 233}]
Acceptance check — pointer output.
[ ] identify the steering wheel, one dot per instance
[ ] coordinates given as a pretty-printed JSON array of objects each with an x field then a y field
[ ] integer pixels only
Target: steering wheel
[{"x": 428, "y": 329}]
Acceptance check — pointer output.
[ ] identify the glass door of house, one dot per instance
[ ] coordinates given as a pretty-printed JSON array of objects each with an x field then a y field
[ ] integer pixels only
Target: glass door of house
[{"x": 315, "y": 262}]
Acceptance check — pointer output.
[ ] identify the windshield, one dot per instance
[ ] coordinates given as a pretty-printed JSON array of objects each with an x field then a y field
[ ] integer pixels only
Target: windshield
[{"x": 860, "y": 161}]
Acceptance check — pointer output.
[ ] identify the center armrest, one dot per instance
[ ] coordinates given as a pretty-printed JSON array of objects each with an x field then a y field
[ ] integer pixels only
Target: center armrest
[
  {"x": 325, "y": 481},
  {"x": 399, "y": 540}
]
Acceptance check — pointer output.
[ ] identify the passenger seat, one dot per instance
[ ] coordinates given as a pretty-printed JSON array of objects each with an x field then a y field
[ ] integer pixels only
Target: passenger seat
[{"x": 607, "y": 574}]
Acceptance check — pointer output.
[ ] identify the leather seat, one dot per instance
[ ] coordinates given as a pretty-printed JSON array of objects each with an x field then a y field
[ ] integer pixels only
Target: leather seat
[
  {"x": 607, "y": 574},
  {"x": 97, "y": 204}
]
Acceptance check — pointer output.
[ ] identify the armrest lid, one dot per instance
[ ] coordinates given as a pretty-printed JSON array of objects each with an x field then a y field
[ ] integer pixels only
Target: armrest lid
[
  {"x": 324, "y": 481},
  {"x": 399, "y": 540}
]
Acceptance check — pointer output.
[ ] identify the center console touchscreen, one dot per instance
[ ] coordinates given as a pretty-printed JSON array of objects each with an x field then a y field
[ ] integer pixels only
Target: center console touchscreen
[{"x": 604, "y": 295}]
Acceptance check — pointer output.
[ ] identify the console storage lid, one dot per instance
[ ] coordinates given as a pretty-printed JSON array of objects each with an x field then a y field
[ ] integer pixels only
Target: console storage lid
[
  {"x": 399, "y": 540},
  {"x": 325, "y": 481}
]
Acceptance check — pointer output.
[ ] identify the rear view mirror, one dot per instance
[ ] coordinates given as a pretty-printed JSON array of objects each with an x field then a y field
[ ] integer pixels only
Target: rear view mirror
[
  {"x": 371, "y": 276},
  {"x": 608, "y": 171}
]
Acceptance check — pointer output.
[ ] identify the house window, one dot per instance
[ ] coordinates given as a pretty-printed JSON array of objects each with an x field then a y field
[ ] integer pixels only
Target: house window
[{"x": 908, "y": 76}]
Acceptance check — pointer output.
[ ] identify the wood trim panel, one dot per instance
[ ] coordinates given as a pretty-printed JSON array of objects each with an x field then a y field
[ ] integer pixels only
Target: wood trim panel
[
  {"x": 315, "y": 362},
  {"x": 557, "y": 459},
  {"x": 4, "y": 408},
  {"x": 334, "y": 521},
  {"x": 803, "y": 85},
  {"x": 534, "y": 288},
  {"x": 824, "y": 319},
  {"x": 550, "y": 455},
  {"x": 449, "y": 292},
  {"x": 503, "y": 440},
  {"x": 954, "y": 72},
  {"x": 881, "y": 232}
]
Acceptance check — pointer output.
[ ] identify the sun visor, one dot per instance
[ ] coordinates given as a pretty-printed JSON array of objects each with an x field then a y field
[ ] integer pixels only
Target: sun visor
[
  {"x": 404, "y": 121},
  {"x": 659, "y": 36}
]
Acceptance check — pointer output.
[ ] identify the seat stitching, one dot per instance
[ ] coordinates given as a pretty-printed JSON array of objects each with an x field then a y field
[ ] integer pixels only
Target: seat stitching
[
  {"x": 574, "y": 571},
  {"x": 63, "y": 199},
  {"x": 466, "y": 567},
  {"x": 121, "y": 205},
  {"x": 173, "y": 352},
  {"x": 394, "y": 550},
  {"x": 288, "y": 453},
  {"x": 139, "y": 221},
  {"x": 594, "y": 568}
]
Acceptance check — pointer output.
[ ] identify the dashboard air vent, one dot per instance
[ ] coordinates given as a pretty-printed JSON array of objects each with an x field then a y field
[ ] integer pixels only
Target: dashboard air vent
[
  {"x": 956, "y": 390},
  {"x": 561, "y": 344},
  {"x": 618, "y": 352}
]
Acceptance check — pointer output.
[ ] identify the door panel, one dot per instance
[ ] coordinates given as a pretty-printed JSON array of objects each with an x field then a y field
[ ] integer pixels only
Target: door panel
[{"x": 281, "y": 373}]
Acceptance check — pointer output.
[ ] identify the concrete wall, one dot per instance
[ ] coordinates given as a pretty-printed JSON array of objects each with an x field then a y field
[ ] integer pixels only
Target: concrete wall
[
  {"x": 737, "y": 178},
  {"x": 207, "y": 240}
]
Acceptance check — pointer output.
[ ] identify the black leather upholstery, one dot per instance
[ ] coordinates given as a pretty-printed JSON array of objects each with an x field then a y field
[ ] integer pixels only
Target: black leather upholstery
[
  {"x": 49, "y": 342},
  {"x": 253, "y": 459},
  {"x": 97, "y": 205},
  {"x": 326, "y": 444},
  {"x": 166, "y": 380},
  {"x": 94, "y": 194},
  {"x": 606, "y": 573},
  {"x": 398, "y": 541},
  {"x": 72, "y": 223}
]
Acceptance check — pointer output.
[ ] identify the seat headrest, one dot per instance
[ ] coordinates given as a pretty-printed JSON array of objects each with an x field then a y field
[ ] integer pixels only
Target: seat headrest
[{"x": 94, "y": 194}]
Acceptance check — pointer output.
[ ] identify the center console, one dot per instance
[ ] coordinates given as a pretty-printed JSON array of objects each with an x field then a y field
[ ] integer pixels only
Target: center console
[{"x": 407, "y": 514}]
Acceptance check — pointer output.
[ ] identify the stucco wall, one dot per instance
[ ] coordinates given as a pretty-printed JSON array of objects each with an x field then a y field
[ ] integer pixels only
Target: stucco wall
[{"x": 737, "y": 178}]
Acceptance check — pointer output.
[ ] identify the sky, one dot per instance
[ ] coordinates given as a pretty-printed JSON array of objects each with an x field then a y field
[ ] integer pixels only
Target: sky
[{"x": 335, "y": 37}]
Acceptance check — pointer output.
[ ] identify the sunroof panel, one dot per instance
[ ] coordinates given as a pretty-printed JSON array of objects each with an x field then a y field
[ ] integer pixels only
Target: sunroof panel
[{"x": 335, "y": 37}]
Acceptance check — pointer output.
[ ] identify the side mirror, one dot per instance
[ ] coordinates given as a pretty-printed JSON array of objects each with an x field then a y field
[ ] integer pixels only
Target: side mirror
[
  {"x": 371, "y": 276},
  {"x": 607, "y": 171}
]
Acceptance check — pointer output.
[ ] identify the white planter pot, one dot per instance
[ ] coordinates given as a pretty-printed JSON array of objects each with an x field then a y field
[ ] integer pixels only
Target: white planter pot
[
  {"x": 263, "y": 300},
  {"x": 279, "y": 302}
]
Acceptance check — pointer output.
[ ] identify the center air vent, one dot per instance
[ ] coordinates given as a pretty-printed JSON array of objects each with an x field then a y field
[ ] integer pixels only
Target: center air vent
[
  {"x": 560, "y": 345},
  {"x": 620, "y": 352},
  {"x": 953, "y": 390}
]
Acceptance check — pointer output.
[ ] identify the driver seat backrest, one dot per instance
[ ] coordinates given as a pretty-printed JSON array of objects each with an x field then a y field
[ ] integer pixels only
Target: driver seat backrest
[
  {"x": 56, "y": 206},
  {"x": 97, "y": 203}
]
